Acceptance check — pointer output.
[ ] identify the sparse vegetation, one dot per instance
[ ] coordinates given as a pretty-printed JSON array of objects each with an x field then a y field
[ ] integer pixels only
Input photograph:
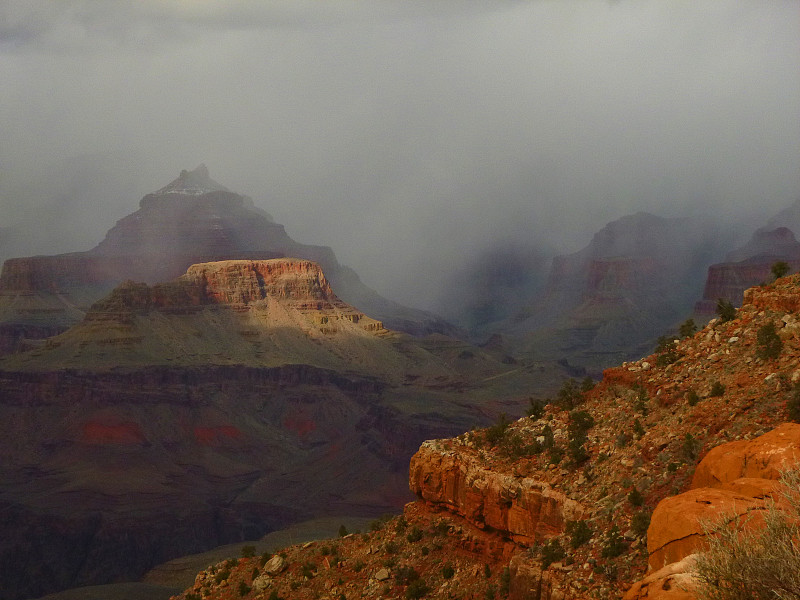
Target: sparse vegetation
[
  {"x": 779, "y": 269},
  {"x": 343, "y": 531},
  {"x": 536, "y": 409},
  {"x": 690, "y": 447},
  {"x": 725, "y": 310},
  {"x": 793, "y": 404},
  {"x": 692, "y": 398},
  {"x": 248, "y": 551},
  {"x": 579, "y": 533},
  {"x": 614, "y": 544},
  {"x": 640, "y": 522},
  {"x": 552, "y": 552},
  {"x": 635, "y": 497},
  {"x": 769, "y": 343},
  {"x": 496, "y": 432},
  {"x": 717, "y": 389},
  {"x": 687, "y": 329}
]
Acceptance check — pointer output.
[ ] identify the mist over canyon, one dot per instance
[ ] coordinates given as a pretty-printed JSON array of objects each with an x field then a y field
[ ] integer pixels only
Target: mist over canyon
[{"x": 255, "y": 253}]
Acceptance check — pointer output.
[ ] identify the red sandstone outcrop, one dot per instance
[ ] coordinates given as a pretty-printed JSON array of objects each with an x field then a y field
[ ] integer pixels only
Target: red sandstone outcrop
[
  {"x": 762, "y": 458},
  {"x": 674, "y": 581},
  {"x": 735, "y": 481},
  {"x": 522, "y": 508}
]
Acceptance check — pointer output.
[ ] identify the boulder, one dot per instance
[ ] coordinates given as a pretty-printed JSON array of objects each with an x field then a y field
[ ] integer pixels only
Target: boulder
[
  {"x": 676, "y": 527},
  {"x": 763, "y": 457},
  {"x": 522, "y": 508},
  {"x": 672, "y": 582}
]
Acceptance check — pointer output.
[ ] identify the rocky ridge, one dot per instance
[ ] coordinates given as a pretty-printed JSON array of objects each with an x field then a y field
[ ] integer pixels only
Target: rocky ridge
[{"x": 618, "y": 451}]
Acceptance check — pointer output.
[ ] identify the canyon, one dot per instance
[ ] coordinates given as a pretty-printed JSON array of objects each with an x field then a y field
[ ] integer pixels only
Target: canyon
[{"x": 242, "y": 396}]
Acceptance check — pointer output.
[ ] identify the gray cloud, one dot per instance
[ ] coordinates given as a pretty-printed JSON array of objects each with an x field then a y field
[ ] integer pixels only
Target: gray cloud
[{"x": 409, "y": 136}]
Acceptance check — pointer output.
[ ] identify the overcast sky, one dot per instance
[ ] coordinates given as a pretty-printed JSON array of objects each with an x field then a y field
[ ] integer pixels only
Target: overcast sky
[{"x": 410, "y": 135}]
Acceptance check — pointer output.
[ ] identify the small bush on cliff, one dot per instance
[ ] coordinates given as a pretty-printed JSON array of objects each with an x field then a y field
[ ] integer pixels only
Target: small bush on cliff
[
  {"x": 692, "y": 398},
  {"x": 667, "y": 351},
  {"x": 248, "y": 551},
  {"x": 688, "y": 328},
  {"x": 769, "y": 344},
  {"x": 536, "y": 409},
  {"x": 635, "y": 497},
  {"x": 717, "y": 389},
  {"x": 755, "y": 563},
  {"x": 614, "y": 544},
  {"x": 569, "y": 396},
  {"x": 640, "y": 522},
  {"x": 725, "y": 310},
  {"x": 552, "y": 552},
  {"x": 579, "y": 533},
  {"x": 244, "y": 589},
  {"x": 690, "y": 447},
  {"x": 779, "y": 269},
  {"x": 587, "y": 385},
  {"x": 495, "y": 433}
]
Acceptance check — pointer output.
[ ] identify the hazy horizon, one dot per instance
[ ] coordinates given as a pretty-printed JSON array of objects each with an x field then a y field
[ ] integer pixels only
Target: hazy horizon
[{"x": 411, "y": 137}]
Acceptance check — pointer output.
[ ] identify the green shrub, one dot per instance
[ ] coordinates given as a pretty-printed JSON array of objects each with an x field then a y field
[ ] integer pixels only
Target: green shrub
[
  {"x": 569, "y": 396},
  {"x": 448, "y": 571},
  {"x": 638, "y": 428},
  {"x": 577, "y": 451},
  {"x": 417, "y": 589},
  {"x": 690, "y": 447},
  {"x": 405, "y": 575},
  {"x": 536, "y": 409},
  {"x": 623, "y": 440},
  {"x": 587, "y": 385},
  {"x": 343, "y": 531},
  {"x": 667, "y": 351},
  {"x": 556, "y": 455},
  {"x": 414, "y": 535},
  {"x": 221, "y": 576},
  {"x": 692, "y": 398},
  {"x": 308, "y": 570},
  {"x": 244, "y": 589},
  {"x": 579, "y": 532},
  {"x": 505, "y": 581},
  {"x": 614, "y": 544},
  {"x": 379, "y": 523},
  {"x": 358, "y": 566},
  {"x": 487, "y": 572},
  {"x": 496, "y": 432},
  {"x": 580, "y": 422},
  {"x": 769, "y": 344},
  {"x": 725, "y": 310},
  {"x": 635, "y": 497},
  {"x": 640, "y": 522},
  {"x": 780, "y": 269},
  {"x": 717, "y": 389},
  {"x": 248, "y": 551},
  {"x": 687, "y": 328},
  {"x": 641, "y": 400},
  {"x": 552, "y": 552}
]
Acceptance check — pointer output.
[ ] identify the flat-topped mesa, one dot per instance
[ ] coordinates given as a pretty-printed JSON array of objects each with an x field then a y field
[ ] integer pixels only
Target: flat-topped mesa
[
  {"x": 300, "y": 282},
  {"x": 297, "y": 283}
]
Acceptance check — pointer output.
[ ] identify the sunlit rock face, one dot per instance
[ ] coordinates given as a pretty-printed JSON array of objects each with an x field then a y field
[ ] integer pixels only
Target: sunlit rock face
[{"x": 192, "y": 220}]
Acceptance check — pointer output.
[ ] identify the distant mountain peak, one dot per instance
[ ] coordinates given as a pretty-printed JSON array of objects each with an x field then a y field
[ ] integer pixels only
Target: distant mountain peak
[{"x": 193, "y": 183}]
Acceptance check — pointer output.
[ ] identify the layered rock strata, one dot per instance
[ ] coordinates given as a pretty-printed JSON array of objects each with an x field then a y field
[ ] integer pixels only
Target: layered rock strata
[{"x": 522, "y": 509}]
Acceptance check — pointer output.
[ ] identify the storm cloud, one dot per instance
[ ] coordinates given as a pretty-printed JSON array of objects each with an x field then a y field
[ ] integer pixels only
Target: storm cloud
[{"x": 411, "y": 136}]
